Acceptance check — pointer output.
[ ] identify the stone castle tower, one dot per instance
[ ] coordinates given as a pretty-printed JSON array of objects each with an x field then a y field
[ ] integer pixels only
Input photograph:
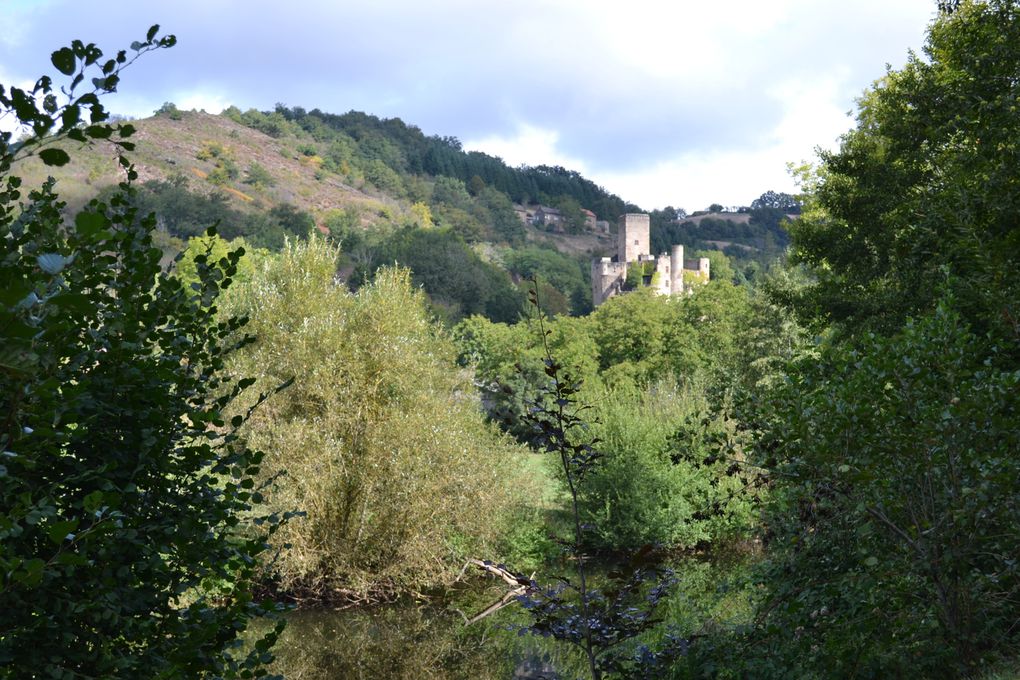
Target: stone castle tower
[{"x": 664, "y": 273}]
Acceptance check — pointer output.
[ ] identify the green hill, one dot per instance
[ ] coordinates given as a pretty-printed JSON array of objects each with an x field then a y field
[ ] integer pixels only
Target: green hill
[{"x": 373, "y": 184}]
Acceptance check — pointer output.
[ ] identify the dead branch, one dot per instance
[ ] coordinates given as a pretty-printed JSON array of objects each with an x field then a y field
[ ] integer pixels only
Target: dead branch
[{"x": 519, "y": 585}]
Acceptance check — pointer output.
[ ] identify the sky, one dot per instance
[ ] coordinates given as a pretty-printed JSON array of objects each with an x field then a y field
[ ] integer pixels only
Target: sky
[{"x": 662, "y": 102}]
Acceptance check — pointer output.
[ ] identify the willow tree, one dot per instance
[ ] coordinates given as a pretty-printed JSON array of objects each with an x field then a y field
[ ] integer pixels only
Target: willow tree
[{"x": 380, "y": 439}]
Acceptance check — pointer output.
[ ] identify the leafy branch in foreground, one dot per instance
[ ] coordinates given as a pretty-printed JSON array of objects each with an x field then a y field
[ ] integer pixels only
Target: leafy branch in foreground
[{"x": 127, "y": 546}]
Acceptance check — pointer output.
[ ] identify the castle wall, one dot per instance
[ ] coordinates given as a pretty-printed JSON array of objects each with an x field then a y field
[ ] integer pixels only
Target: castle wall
[
  {"x": 663, "y": 279},
  {"x": 633, "y": 243},
  {"x": 607, "y": 278}
]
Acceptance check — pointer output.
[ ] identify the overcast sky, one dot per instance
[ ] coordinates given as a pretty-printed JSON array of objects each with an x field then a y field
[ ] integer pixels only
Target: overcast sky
[{"x": 664, "y": 103}]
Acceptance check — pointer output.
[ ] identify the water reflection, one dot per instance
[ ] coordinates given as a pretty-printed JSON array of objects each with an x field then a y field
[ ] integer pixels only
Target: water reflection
[{"x": 412, "y": 642}]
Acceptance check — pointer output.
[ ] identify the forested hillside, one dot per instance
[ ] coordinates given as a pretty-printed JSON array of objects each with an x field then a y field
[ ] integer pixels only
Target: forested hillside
[{"x": 389, "y": 193}]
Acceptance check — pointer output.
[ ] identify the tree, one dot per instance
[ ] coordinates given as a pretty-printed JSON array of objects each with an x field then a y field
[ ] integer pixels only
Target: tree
[
  {"x": 926, "y": 180},
  {"x": 573, "y": 218},
  {"x": 257, "y": 176},
  {"x": 628, "y": 330},
  {"x": 776, "y": 200},
  {"x": 720, "y": 268},
  {"x": 893, "y": 534},
  {"x": 400, "y": 477},
  {"x": 126, "y": 498},
  {"x": 170, "y": 110}
]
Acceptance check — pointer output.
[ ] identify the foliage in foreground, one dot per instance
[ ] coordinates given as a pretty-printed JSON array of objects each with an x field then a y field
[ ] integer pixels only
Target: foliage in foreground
[
  {"x": 892, "y": 538},
  {"x": 927, "y": 179},
  {"x": 380, "y": 438},
  {"x": 123, "y": 552},
  {"x": 601, "y": 623}
]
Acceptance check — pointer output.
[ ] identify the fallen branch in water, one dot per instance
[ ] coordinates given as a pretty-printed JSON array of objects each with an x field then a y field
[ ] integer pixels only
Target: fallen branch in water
[{"x": 519, "y": 585}]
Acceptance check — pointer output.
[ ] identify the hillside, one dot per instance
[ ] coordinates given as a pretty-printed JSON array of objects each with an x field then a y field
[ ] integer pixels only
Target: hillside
[
  {"x": 388, "y": 193},
  {"x": 185, "y": 149}
]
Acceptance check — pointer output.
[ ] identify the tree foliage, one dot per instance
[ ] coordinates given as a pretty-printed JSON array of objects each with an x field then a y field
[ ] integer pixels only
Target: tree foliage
[
  {"x": 456, "y": 279},
  {"x": 126, "y": 546},
  {"x": 893, "y": 535},
  {"x": 927, "y": 179},
  {"x": 378, "y": 439}
]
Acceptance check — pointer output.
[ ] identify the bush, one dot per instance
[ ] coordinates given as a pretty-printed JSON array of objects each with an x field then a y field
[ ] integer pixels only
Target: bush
[
  {"x": 893, "y": 527},
  {"x": 668, "y": 473},
  {"x": 381, "y": 441}
]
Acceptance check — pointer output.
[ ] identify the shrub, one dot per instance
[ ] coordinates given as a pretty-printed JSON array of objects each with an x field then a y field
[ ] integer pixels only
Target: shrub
[
  {"x": 669, "y": 473},
  {"x": 382, "y": 442}
]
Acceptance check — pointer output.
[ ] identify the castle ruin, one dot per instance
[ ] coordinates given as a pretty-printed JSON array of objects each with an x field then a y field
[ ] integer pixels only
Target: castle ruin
[{"x": 664, "y": 273}]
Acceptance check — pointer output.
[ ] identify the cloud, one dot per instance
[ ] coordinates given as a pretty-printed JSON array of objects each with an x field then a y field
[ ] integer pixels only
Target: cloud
[
  {"x": 613, "y": 89},
  {"x": 529, "y": 146}
]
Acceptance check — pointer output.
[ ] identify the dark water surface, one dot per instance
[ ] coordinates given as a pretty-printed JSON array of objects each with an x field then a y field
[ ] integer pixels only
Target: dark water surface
[{"x": 412, "y": 641}]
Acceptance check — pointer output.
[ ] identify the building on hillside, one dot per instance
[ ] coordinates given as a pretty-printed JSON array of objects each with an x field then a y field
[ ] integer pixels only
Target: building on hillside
[
  {"x": 589, "y": 219},
  {"x": 667, "y": 274},
  {"x": 525, "y": 213},
  {"x": 550, "y": 218}
]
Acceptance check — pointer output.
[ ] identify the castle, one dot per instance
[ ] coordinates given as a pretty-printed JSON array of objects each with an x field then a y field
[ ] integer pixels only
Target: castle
[{"x": 667, "y": 274}]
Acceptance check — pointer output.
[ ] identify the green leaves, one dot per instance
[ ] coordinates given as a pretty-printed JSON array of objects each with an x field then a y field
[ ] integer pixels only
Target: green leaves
[
  {"x": 109, "y": 513},
  {"x": 54, "y": 156},
  {"x": 64, "y": 60},
  {"x": 905, "y": 449},
  {"x": 90, "y": 225},
  {"x": 58, "y": 532}
]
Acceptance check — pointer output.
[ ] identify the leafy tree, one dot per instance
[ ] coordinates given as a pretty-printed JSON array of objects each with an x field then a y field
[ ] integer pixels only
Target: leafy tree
[
  {"x": 661, "y": 479},
  {"x": 452, "y": 192},
  {"x": 601, "y": 623},
  {"x": 212, "y": 248},
  {"x": 458, "y": 282},
  {"x": 893, "y": 535},
  {"x": 422, "y": 215},
  {"x": 926, "y": 180},
  {"x": 549, "y": 266},
  {"x": 573, "y": 218},
  {"x": 257, "y": 176},
  {"x": 184, "y": 213},
  {"x": 170, "y": 110},
  {"x": 506, "y": 225},
  {"x": 776, "y": 201},
  {"x": 475, "y": 185},
  {"x": 400, "y": 477},
  {"x": 704, "y": 340},
  {"x": 628, "y": 330},
  {"x": 292, "y": 219},
  {"x": 720, "y": 268},
  {"x": 126, "y": 497}
]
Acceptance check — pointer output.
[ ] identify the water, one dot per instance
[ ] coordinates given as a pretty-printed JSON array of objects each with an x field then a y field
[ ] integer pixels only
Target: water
[
  {"x": 425, "y": 641},
  {"x": 414, "y": 641}
]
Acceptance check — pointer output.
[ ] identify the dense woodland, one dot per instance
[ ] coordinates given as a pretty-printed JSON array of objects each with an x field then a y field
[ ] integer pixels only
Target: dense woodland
[{"x": 809, "y": 467}]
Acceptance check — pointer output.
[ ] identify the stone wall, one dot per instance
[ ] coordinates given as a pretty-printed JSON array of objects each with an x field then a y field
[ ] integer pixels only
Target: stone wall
[{"x": 633, "y": 237}]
